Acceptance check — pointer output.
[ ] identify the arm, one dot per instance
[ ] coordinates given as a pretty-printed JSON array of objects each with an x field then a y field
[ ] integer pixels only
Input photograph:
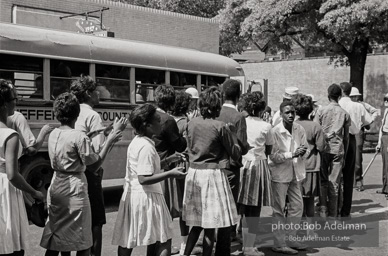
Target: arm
[
  {"x": 46, "y": 129},
  {"x": 346, "y": 137},
  {"x": 371, "y": 110},
  {"x": 26, "y": 137},
  {"x": 276, "y": 156},
  {"x": 13, "y": 175},
  {"x": 155, "y": 178},
  {"x": 242, "y": 135},
  {"x": 230, "y": 143},
  {"x": 177, "y": 141},
  {"x": 320, "y": 140}
]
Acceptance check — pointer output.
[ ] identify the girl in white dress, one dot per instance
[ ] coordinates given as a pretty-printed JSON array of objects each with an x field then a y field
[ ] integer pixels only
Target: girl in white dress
[
  {"x": 143, "y": 217},
  {"x": 13, "y": 216}
]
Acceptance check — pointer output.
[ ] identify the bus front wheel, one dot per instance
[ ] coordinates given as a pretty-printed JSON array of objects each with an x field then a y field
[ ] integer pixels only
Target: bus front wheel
[{"x": 37, "y": 172}]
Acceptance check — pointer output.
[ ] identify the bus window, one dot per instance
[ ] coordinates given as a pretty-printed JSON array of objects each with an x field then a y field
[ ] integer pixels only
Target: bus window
[
  {"x": 146, "y": 82},
  {"x": 112, "y": 83},
  {"x": 183, "y": 80},
  {"x": 207, "y": 81},
  {"x": 63, "y": 73},
  {"x": 25, "y": 73}
]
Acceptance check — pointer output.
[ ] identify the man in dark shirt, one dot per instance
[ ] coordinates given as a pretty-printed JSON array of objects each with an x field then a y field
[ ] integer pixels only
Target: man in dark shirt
[
  {"x": 169, "y": 140},
  {"x": 231, "y": 93}
]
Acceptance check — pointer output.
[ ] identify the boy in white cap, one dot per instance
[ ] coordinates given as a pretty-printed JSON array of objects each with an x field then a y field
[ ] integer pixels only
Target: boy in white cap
[
  {"x": 193, "y": 110},
  {"x": 288, "y": 93}
]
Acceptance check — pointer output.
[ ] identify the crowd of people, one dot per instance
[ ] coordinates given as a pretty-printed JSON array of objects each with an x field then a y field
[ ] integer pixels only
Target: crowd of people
[{"x": 212, "y": 159}]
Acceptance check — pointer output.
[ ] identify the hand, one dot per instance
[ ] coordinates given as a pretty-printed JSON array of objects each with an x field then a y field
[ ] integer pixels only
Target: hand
[
  {"x": 46, "y": 129},
  {"x": 330, "y": 135},
  {"x": 300, "y": 151},
  {"x": 114, "y": 136},
  {"x": 378, "y": 147},
  {"x": 177, "y": 173},
  {"x": 108, "y": 129},
  {"x": 177, "y": 157},
  {"x": 39, "y": 195},
  {"x": 120, "y": 124},
  {"x": 231, "y": 128}
]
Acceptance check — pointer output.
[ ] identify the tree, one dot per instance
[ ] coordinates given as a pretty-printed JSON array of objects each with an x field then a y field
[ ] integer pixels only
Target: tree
[{"x": 349, "y": 28}]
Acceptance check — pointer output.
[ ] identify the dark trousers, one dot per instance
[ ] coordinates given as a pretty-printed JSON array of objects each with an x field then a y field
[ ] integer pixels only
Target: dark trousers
[
  {"x": 358, "y": 164},
  {"x": 224, "y": 234},
  {"x": 348, "y": 177},
  {"x": 384, "y": 154}
]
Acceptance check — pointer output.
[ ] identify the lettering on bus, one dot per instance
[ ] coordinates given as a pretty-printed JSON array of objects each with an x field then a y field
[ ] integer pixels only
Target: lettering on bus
[
  {"x": 41, "y": 114},
  {"x": 110, "y": 116}
]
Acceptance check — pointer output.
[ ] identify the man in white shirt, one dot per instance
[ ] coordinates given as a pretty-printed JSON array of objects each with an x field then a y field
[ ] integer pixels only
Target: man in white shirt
[
  {"x": 88, "y": 121},
  {"x": 355, "y": 95},
  {"x": 359, "y": 119},
  {"x": 287, "y": 171}
]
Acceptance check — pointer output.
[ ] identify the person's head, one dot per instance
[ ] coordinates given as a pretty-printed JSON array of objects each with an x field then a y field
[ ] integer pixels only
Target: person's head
[
  {"x": 346, "y": 88},
  {"x": 84, "y": 88},
  {"x": 39, "y": 84},
  {"x": 231, "y": 90},
  {"x": 182, "y": 101},
  {"x": 334, "y": 92},
  {"x": 165, "y": 97},
  {"x": 145, "y": 120},
  {"x": 210, "y": 102},
  {"x": 254, "y": 104},
  {"x": 289, "y": 92},
  {"x": 303, "y": 105},
  {"x": 287, "y": 112},
  {"x": 355, "y": 94},
  {"x": 66, "y": 109},
  {"x": 8, "y": 97}
]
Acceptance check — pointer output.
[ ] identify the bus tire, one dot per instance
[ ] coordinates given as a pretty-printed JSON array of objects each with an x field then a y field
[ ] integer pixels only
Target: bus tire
[{"x": 37, "y": 172}]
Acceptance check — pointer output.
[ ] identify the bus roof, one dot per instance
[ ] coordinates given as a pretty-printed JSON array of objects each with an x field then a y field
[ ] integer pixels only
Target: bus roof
[{"x": 33, "y": 41}]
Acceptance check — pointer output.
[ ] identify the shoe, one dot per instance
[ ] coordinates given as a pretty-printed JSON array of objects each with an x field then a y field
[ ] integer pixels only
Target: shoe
[
  {"x": 174, "y": 250},
  {"x": 323, "y": 211},
  {"x": 298, "y": 246},
  {"x": 197, "y": 250},
  {"x": 361, "y": 188},
  {"x": 252, "y": 251},
  {"x": 285, "y": 250},
  {"x": 381, "y": 192}
]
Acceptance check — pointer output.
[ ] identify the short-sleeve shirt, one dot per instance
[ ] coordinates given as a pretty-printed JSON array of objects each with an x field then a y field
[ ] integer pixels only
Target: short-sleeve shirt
[
  {"x": 19, "y": 123},
  {"x": 142, "y": 159},
  {"x": 89, "y": 121},
  {"x": 333, "y": 119},
  {"x": 70, "y": 151},
  {"x": 259, "y": 135},
  {"x": 358, "y": 115}
]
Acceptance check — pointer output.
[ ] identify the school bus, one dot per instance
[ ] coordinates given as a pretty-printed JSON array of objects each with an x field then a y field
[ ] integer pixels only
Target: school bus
[{"x": 42, "y": 64}]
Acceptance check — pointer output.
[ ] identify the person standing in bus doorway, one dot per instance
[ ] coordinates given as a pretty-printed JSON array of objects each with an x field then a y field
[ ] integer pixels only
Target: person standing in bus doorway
[
  {"x": 13, "y": 216},
  {"x": 356, "y": 96},
  {"x": 167, "y": 142},
  {"x": 84, "y": 88},
  {"x": 231, "y": 90}
]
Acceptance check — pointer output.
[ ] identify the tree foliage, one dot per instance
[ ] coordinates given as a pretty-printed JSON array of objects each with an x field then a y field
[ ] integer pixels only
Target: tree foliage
[{"x": 349, "y": 28}]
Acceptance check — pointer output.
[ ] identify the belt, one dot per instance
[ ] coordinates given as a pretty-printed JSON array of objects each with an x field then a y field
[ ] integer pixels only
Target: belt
[{"x": 385, "y": 133}]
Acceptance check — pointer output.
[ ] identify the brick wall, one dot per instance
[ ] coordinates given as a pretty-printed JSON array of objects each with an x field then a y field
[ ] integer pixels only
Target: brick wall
[
  {"x": 315, "y": 75},
  {"x": 126, "y": 21}
]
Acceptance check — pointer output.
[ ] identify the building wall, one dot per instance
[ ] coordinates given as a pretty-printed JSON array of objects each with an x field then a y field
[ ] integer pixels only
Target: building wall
[
  {"x": 315, "y": 75},
  {"x": 126, "y": 21}
]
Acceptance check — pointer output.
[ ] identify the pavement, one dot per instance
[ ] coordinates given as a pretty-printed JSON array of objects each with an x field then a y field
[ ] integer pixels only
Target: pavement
[{"x": 366, "y": 205}]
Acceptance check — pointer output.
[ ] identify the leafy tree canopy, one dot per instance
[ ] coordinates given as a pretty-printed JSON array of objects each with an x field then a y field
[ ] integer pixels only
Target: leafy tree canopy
[{"x": 348, "y": 28}]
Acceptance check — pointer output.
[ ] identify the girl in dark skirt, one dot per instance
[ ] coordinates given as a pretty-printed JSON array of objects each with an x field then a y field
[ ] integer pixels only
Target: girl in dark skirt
[{"x": 316, "y": 142}]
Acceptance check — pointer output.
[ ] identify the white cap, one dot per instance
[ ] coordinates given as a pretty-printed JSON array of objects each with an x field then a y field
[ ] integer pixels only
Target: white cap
[
  {"x": 290, "y": 91},
  {"x": 354, "y": 92},
  {"x": 193, "y": 92}
]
